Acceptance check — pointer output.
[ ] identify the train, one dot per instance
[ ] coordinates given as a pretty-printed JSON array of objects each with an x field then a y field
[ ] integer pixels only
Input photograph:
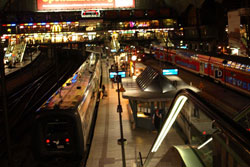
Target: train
[
  {"x": 64, "y": 121},
  {"x": 231, "y": 71}
]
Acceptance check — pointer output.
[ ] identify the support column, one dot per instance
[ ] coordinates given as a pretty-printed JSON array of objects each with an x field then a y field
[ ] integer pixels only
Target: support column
[{"x": 133, "y": 105}]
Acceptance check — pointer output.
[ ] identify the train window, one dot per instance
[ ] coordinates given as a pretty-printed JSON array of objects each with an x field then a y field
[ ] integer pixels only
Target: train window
[
  {"x": 243, "y": 67},
  {"x": 244, "y": 85},
  {"x": 58, "y": 133},
  {"x": 233, "y": 65},
  {"x": 229, "y": 63},
  {"x": 205, "y": 65},
  {"x": 238, "y": 66},
  {"x": 248, "y": 68}
]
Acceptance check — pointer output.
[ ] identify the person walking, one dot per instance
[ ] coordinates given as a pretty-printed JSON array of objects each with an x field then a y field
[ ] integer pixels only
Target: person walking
[{"x": 157, "y": 116}]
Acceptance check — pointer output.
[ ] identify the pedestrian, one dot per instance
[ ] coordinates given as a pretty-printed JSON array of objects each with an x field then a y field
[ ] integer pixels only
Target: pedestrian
[{"x": 157, "y": 119}]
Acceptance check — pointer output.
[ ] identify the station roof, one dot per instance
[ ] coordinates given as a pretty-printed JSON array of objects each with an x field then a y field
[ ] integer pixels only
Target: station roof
[
  {"x": 151, "y": 80},
  {"x": 134, "y": 92}
]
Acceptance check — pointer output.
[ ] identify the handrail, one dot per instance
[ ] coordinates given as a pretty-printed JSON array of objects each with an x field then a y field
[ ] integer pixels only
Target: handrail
[
  {"x": 229, "y": 126},
  {"x": 141, "y": 163},
  {"x": 237, "y": 133},
  {"x": 242, "y": 113}
]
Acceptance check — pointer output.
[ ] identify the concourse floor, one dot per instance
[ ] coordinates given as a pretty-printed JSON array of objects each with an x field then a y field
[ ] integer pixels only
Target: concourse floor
[
  {"x": 105, "y": 151},
  {"x": 27, "y": 60}
]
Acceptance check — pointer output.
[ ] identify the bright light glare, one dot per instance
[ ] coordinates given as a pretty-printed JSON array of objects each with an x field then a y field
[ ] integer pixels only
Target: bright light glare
[
  {"x": 134, "y": 58},
  {"x": 205, "y": 143},
  {"x": 169, "y": 122}
]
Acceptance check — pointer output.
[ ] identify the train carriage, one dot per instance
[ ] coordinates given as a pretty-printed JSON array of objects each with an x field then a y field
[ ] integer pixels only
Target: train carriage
[
  {"x": 233, "y": 74},
  {"x": 63, "y": 122}
]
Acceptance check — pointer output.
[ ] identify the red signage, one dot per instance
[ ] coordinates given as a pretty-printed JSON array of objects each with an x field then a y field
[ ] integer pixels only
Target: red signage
[{"x": 43, "y": 5}]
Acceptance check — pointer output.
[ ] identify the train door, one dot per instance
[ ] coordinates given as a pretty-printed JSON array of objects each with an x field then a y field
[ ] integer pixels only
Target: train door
[
  {"x": 218, "y": 74},
  {"x": 201, "y": 68}
]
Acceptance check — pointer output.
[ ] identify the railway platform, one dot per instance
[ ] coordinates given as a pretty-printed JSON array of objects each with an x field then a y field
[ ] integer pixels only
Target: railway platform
[
  {"x": 27, "y": 60},
  {"x": 105, "y": 150}
]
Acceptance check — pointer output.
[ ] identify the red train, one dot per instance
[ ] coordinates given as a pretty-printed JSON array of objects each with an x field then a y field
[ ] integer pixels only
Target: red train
[{"x": 232, "y": 71}]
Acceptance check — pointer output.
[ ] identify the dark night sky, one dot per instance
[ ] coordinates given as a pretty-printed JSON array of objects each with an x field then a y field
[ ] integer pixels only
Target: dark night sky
[
  {"x": 178, "y": 5},
  {"x": 181, "y": 5}
]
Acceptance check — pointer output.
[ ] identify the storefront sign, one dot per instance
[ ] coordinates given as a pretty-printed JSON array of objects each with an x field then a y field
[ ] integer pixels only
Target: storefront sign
[{"x": 44, "y": 5}]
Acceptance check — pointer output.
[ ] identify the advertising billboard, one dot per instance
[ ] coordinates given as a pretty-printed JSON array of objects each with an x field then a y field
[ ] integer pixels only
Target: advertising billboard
[{"x": 48, "y": 5}]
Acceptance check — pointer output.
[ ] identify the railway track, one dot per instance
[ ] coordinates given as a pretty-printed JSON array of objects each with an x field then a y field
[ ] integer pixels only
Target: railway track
[{"x": 23, "y": 103}]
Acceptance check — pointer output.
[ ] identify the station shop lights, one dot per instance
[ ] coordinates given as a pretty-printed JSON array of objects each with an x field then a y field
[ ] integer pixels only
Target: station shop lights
[
  {"x": 142, "y": 30},
  {"x": 43, "y": 24}
]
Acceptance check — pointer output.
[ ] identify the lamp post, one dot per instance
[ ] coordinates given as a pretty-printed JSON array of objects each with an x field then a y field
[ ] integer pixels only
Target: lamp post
[{"x": 119, "y": 110}]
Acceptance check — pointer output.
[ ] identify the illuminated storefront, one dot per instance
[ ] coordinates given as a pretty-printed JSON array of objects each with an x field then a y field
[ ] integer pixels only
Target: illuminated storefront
[{"x": 84, "y": 30}]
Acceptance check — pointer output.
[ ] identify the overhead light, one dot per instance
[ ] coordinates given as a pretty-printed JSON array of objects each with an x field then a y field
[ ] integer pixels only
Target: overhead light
[{"x": 169, "y": 122}]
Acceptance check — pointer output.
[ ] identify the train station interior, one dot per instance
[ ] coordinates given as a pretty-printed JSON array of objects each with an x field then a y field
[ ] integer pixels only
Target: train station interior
[{"x": 136, "y": 83}]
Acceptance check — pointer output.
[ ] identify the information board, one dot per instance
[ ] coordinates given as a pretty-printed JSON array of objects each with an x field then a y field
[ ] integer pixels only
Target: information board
[
  {"x": 113, "y": 73},
  {"x": 167, "y": 72}
]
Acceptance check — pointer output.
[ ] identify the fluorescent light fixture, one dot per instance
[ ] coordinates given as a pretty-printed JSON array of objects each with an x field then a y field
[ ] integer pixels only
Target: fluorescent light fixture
[
  {"x": 205, "y": 143},
  {"x": 169, "y": 122}
]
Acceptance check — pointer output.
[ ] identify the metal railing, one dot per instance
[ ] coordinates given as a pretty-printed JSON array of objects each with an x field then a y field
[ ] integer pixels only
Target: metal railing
[{"x": 228, "y": 133}]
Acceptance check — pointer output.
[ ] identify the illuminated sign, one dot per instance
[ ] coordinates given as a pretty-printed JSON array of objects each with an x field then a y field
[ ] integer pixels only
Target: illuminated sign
[
  {"x": 90, "y": 13},
  {"x": 46, "y": 5},
  {"x": 56, "y": 28},
  {"x": 170, "y": 72},
  {"x": 121, "y": 73}
]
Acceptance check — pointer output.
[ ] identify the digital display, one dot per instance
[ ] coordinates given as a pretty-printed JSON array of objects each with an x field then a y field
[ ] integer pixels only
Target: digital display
[
  {"x": 44, "y": 5},
  {"x": 121, "y": 73},
  {"x": 170, "y": 72},
  {"x": 8, "y": 55}
]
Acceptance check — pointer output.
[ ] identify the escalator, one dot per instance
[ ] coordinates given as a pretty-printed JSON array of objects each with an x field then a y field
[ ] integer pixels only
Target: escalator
[{"x": 196, "y": 134}]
